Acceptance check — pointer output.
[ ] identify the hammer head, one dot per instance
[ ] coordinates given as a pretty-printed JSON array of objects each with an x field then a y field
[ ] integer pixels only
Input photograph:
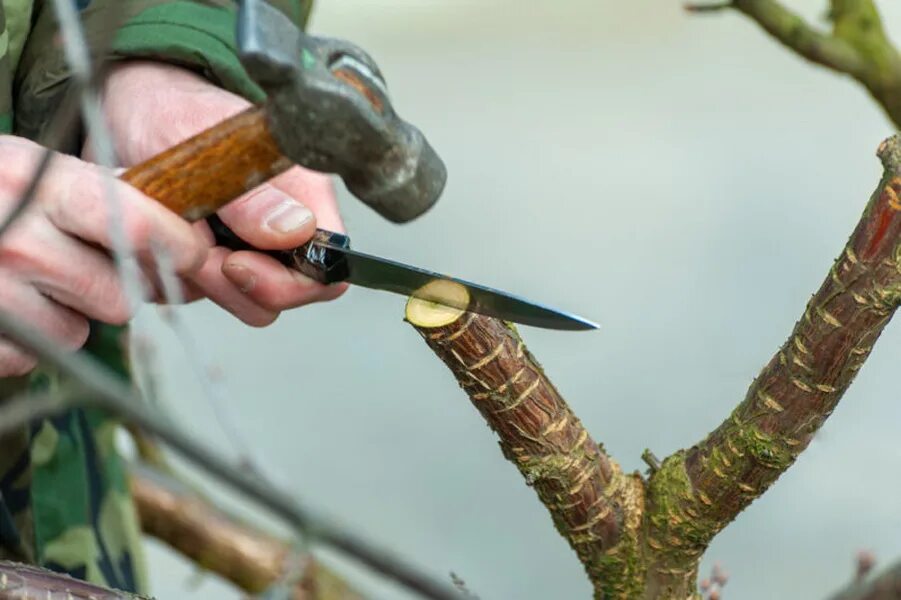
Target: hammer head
[{"x": 328, "y": 110}]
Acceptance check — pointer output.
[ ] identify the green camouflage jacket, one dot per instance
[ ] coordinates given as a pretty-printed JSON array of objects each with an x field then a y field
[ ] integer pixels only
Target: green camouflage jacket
[{"x": 64, "y": 500}]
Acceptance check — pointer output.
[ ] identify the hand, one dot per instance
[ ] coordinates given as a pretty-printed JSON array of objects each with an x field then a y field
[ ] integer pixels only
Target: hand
[
  {"x": 153, "y": 106},
  {"x": 54, "y": 272}
]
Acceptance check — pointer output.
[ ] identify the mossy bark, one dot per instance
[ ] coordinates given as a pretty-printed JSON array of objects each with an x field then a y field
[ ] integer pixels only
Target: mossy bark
[{"x": 858, "y": 45}]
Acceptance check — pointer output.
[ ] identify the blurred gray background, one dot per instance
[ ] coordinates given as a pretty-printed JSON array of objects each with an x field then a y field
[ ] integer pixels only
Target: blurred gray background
[{"x": 683, "y": 180}]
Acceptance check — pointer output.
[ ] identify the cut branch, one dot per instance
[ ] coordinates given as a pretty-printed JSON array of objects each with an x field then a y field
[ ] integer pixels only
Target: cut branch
[
  {"x": 593, "y": 504},
  {"x": 697, "y": 492},
  {"x": 249, "y": 558}
]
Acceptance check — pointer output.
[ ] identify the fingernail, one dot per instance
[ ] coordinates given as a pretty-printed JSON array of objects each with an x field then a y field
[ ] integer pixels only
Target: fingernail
[
  {"x": 288, "y": 217},
  {"x": 241, "y": 276}
]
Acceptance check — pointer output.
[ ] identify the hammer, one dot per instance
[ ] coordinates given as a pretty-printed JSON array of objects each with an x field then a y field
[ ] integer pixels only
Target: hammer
[{"x": 327, "y": 109}]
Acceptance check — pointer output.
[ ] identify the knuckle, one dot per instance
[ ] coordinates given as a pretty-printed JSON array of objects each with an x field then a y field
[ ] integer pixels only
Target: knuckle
[
  {"x": 197, "y": 255},
  {"x": 139, "y": 228},
  {"x": 76, "y": 333},
  {"x": 14, "y": 362},
  {"x": 106, "y": 296}
]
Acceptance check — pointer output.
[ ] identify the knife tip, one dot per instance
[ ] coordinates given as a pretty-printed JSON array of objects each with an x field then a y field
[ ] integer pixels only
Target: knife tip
[{"x": 576, "y": 323}]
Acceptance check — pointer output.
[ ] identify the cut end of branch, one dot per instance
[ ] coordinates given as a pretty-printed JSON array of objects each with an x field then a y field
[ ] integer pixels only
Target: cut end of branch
[
  {"x": 423, "y": 308},
  {"x": 651, "y": 460},
  {"x": 889, "y": 152}
]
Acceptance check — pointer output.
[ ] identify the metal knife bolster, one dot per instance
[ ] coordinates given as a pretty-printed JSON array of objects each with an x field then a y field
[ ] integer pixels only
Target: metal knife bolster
[{"x": 319, "y": 259}]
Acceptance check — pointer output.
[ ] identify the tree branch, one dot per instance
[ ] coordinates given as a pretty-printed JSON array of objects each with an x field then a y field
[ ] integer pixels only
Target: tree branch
[
  {"x": 697, "y": 492},
  {"x": 794, "y": 32},
  {"x": 249, "y": 558},
  {"x": 593, "y": 504},
  {"x": 858, "y": 45},
  {"x": 105, "y": 390}
]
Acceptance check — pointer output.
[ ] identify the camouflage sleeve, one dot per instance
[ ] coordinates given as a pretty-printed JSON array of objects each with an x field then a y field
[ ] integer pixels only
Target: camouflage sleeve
[
  {"x": 64, "y": 501},
  {"x": 199, "y": 35}
]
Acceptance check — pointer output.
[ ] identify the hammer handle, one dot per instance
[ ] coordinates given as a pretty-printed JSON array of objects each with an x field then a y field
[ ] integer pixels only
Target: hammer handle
[{"x": 200, "y": 175}]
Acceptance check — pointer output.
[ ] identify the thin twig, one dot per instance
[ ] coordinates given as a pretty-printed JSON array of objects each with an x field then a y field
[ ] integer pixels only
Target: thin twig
[
  {"x": 78, "y": 57},
  {"x": 62, "y": 121},
  {"x": 105, "y": 390},
  {"x": 213, "y": 388},
  {"x": 857, "y": 46},
  {"x": 707, "y": 7},
  {"x": 794, "y": 32}
]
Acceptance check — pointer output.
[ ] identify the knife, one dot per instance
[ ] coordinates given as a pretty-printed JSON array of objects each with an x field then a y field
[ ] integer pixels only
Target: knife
[{"x": 328, "y": 258}]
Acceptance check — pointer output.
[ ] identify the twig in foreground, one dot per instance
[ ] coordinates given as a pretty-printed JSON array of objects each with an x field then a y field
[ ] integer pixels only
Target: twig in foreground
[
  {"x": 105, "y": 390},
  {"x": 707, "y": 7}
]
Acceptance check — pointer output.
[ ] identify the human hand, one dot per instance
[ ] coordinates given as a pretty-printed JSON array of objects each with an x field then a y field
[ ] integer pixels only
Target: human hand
[
  {"x": 55, "y": 267},
  {"x": 153, "y": 106}
]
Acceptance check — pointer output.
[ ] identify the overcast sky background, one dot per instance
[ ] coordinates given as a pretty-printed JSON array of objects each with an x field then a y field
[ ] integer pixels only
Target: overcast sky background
[{"x": 684, "y": 181}]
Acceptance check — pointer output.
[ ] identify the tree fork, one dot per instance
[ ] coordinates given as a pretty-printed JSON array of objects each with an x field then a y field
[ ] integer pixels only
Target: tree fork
[{"x": 640, "y": 539}]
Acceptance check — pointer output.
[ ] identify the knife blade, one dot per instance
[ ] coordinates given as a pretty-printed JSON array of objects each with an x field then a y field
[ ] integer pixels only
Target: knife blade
[{"x": 328, "y": 258}]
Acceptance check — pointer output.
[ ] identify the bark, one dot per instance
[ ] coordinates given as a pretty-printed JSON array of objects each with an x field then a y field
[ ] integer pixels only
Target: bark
[
  {"x": 857, "y": 46},
  {"x": 592, "y": 503},
  {"x": 26, "y": 582},
  {"x": 642, "y": 538},
  {"x": 251, "y": 559}
]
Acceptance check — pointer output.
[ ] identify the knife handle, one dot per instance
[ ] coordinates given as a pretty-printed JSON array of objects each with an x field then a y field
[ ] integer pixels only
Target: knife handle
[{"x": 319, "y": 259}]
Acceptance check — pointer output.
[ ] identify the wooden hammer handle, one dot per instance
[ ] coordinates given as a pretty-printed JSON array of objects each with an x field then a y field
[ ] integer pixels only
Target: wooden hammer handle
[{"x": 197, "y": 177}]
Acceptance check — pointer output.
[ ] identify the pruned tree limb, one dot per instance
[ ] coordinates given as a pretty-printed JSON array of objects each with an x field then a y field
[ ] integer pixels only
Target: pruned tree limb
[
  {"x": 251, "y": 559},
  {"x": 857, "y": 45},
  {"x": 593, "y": 504},
  {"x": 644, "y": 539}
]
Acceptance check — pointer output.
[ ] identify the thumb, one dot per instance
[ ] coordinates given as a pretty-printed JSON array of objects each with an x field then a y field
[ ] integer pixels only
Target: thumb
[{"x": 270, "y": 219}]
